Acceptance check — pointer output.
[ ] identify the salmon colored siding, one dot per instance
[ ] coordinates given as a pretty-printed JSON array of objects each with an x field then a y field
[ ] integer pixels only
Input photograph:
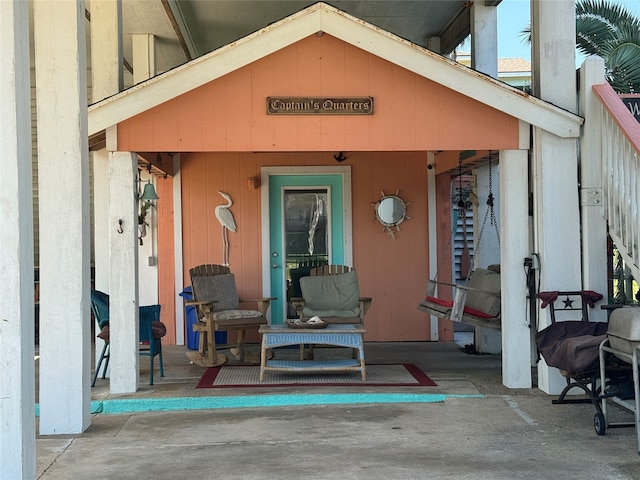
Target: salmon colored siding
[
  {"x": 392, "y": 271},
  {"x": 411, "y": 113},
  {"x": 394, "y": 279},
  {"x": 226, "y": 136},
  {"x": 443, "y": 269},
  {"x": 166, "y": 257}
]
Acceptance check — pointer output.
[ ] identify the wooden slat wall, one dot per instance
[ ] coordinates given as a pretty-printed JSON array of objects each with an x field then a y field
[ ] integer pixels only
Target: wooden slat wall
[
  {"x": 166, "y": 257},
  {"x": 411, "y": 113},
  {"x": 392, "y": 271},
  {"x": 443, "y": 214}
]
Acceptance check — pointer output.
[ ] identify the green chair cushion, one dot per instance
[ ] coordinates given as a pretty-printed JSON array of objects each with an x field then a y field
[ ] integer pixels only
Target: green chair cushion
[{"x": 331, "y": 295}]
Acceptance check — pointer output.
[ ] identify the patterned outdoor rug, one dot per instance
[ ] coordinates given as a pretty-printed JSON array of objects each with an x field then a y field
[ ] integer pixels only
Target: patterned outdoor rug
[{"x": 233, "y": 376}]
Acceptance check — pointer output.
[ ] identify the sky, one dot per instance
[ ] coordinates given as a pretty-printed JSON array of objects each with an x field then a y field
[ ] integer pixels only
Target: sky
[{"x": 514, "y": 16}]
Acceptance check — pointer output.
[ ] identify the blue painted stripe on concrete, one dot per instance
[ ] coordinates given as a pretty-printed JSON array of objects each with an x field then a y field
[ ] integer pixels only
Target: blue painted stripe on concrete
[
  {"x": 120, "y": 406},
  {"x": 133, "y": 405}
]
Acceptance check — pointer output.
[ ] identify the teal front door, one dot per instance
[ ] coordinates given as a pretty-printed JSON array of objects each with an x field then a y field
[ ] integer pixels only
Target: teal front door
[{"x": 306, "y": 219}]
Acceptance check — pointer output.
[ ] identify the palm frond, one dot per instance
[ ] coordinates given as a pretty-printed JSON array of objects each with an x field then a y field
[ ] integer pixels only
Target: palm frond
[
  {"x": 525, "y": 35},
  {"x": 593, "y": 36},
  {"x": 607, "y": 11},
  {"x": 623, "y": 68}
]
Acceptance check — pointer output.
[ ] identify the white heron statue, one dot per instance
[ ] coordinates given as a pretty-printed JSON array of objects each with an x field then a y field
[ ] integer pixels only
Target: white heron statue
[{"x": 225, "y": 217}]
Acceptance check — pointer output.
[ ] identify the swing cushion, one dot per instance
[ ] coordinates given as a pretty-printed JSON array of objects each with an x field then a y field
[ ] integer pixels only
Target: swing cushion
[
  {"x": 477, "y": 313},
  {"x": 449, "y": 303},
  {"x": 439, "y": 301},
  {"x": 485, "y": 302}
]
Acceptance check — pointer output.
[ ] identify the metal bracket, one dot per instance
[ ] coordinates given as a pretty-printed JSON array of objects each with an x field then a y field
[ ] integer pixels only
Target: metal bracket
[{"x": 591, "y": 197}]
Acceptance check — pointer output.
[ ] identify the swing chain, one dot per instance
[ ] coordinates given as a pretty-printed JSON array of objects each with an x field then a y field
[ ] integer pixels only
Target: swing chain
[
  {"x": 461, "y": 203},
  {"x": 490, "y": 213},
  {"x": 490, "y": 200}
]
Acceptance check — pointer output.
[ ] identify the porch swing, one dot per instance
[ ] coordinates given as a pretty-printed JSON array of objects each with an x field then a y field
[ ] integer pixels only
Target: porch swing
[{"x": 477, "y": 302}]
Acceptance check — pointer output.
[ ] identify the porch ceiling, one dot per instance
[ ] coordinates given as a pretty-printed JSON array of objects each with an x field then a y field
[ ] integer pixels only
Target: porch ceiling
[
  {"x": 215, "y": 23},
  {"x": 187, "y": 29}
]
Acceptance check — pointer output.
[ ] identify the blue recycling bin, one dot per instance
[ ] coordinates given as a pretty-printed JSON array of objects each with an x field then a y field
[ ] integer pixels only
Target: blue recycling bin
[{"x": 191, "y": 318}]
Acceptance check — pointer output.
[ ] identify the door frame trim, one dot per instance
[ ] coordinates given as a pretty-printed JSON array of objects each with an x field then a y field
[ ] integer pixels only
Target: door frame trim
[{"x": 265, "y": 173}]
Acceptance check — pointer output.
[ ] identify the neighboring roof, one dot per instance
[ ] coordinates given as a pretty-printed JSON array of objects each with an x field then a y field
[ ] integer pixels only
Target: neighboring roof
[
  {"x": 505, "y": 65},
  {"x": 513, "y": 65},
  {"x": 321, "y": 17}
]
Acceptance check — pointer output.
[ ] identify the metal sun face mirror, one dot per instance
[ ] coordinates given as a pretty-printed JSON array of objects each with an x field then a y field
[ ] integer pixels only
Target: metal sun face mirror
[{"x": 390, "y": 211}]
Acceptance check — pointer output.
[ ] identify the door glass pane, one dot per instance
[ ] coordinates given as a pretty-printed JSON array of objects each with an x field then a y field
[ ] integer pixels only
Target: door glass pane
[{"x": 306, "y": 235}]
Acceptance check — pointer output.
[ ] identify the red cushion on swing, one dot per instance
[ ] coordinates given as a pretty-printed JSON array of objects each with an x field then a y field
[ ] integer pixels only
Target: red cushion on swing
[
  {"x": 444, "y": 303},
  {"x": 476, "y": 313},
  {"x": 467, "y": 310}
]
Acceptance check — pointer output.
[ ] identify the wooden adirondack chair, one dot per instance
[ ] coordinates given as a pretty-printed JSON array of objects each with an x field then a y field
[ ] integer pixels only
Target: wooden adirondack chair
[{"x": 218, "y": 306}]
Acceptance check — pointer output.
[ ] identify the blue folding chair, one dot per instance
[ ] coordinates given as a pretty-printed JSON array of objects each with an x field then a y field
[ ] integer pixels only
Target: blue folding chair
[{"x": 151, "y": 333}]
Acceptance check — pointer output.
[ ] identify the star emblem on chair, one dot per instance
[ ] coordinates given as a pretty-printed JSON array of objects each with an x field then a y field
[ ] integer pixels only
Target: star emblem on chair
[{"x": 568, "y": 303}]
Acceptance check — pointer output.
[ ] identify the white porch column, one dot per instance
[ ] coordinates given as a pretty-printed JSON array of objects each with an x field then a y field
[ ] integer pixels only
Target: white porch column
[
  {"x": 556, "y": 213},
  {"x": 594, "y": 224},
  {"x": 484, "y": 58},
  {"x": 484, "y": 38},
  {"x": 514, "y": 228},
  {"x": 100, "y": 221},
  {"x": 17, "y": 374},
  {"x": 106, "y": 49},
  {"x": 487, "y": 340},
  {"x": 100, "y": 234},
  {"x": 144, "y": 67},
  {"x": 557, "y": 229},
  {"x": 123, "y": 284},
  {"x": 61, "y": 89},
  {"x": 553, "y": 28},
  {"x": 144, "y": 57},
  {"x": 107, "y": 79}
]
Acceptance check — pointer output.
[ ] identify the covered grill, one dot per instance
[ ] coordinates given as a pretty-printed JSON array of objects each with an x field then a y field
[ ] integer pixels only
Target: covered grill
[{"x": 623, "y": 341}]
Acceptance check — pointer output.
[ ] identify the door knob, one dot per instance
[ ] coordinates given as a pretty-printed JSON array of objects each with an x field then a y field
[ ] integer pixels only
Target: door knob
[{"x": 275, "y": 265}]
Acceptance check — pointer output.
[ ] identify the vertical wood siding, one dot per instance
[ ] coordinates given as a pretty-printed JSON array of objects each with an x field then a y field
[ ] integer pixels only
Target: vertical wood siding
[
  {"x": 411, "y": 113},
  {"x": 392, "y": 271},
  {"x": 166, "y": 258},
  {"x": 219, "y": 125}
]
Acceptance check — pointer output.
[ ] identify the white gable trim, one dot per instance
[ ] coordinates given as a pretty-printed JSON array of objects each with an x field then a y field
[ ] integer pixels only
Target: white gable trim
[{"x": 322, "y": 17}]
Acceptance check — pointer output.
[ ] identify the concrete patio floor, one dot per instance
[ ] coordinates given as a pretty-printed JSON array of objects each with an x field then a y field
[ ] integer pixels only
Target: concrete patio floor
[{"x": 487, "y": 431}]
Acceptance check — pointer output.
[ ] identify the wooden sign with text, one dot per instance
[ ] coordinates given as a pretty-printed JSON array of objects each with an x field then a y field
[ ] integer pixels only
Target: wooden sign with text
[{"x": 319, "y": 105}]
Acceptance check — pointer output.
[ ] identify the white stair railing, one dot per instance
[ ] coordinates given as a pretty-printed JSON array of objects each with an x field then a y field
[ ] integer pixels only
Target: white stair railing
[{"x": 621, "y": 175}]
